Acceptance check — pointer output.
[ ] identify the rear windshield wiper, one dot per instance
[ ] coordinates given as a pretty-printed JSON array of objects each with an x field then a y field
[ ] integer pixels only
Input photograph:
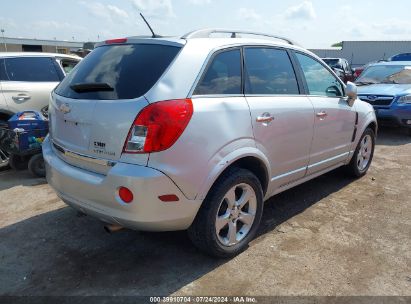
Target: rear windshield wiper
[{"x": 91, "y": 87}]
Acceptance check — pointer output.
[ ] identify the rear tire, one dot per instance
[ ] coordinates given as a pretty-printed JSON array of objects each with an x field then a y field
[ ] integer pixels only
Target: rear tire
[
  {"x": 36, "y": 165},
  {"x": 361, "y": 160},
  {"x": 230, "y": 214},
  {"x": 17, "y": 162}
]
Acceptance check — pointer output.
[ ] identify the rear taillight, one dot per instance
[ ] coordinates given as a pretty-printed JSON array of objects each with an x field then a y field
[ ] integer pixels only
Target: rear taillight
[{"x": 158, "y": 126}]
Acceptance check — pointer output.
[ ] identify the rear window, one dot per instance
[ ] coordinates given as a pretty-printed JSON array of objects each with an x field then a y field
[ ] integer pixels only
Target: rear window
[
  {"x": 129, "y": 69},
  {"x": 36, "y": 69}
]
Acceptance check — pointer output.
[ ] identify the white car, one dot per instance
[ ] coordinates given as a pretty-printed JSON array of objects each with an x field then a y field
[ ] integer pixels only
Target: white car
[{"x": 26, "y": 80}]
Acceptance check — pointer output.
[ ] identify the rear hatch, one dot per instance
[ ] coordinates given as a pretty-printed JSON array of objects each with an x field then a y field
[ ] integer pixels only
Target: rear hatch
[{"x": 93, "y": 108}]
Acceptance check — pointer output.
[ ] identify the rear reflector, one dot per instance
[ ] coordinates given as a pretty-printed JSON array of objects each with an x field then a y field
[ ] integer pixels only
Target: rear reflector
[
  {"x": 169, "y": 198},
  {"x": 118, "y": 40},
  {"x": 125, "y": 194}
]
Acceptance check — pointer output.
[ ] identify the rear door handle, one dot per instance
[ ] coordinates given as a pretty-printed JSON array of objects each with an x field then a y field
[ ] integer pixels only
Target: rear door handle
[
  {"x": 21, "y": 97},
  {"x": 265, "y": 118},
  {"x": 322, "y": 114}
]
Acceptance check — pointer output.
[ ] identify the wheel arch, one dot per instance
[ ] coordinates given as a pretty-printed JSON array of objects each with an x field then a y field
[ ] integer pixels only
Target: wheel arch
[
  {"x": 254, "y": 161},
  {"x": 374, "y": 126}
]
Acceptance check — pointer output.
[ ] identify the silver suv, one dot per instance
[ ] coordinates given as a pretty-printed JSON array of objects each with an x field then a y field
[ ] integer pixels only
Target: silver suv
[
  {"x": 197, "y": 132},
  {"x": 26, "y": 80}
]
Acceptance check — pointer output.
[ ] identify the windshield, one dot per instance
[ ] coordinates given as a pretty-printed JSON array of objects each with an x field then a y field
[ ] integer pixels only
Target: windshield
[
  {"x": 334, "y": 63},
  {"x": 398, "y": 74}
]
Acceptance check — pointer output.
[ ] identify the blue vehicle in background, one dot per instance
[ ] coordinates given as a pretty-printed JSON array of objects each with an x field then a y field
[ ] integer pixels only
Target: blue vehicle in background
[
  {"x": 401, "y": 57},
  {"x": 21, "y": 138},
  {"x": 387, "y": 87}
]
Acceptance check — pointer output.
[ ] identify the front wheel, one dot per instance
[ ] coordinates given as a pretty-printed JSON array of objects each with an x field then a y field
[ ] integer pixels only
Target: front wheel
[
  {"x": 230, "y": 214},
  {"x": 363, "y": 154}
]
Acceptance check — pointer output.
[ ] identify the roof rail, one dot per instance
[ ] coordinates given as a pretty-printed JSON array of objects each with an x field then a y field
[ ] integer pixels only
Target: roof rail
[{"x": 205, "y": 33}]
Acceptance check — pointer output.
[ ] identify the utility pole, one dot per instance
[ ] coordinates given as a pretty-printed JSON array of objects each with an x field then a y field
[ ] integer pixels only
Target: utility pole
[
  {"x": 4, "y": 39},
  {"x": 55, "y": 43}
]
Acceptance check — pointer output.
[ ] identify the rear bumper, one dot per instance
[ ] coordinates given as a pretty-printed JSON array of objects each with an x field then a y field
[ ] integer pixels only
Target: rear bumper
[
  {"x": 96, "y": 194},
  {"x": 398, "y": 116}
]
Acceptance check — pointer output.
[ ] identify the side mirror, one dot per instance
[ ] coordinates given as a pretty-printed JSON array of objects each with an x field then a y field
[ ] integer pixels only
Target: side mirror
[{"x": 351, "y": 91}]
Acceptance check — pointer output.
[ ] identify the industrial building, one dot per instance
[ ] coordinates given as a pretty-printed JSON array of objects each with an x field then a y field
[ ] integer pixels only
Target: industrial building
[
  {"x": 36, "y": 45},
  {"x": 359, "y": 53}
]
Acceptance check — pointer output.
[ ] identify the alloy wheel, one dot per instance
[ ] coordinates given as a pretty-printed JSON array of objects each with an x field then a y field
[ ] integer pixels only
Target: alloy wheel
[
  {"x": 236, "y": 214},
  {"x": 364, "y": 153}
]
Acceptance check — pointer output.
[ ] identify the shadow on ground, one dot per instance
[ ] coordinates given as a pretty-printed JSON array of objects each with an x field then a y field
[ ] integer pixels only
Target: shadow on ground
[
  {"x": 61, "y": 253},
  {"x": 391, "y": 136},
  {"x": 10, "y": 178},
  {"x": 287, "y": 204}
]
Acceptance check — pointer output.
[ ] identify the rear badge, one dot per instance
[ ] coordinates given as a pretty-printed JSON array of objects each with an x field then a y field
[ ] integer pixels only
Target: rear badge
[
  {"x": 100, "y": 148},
  {"x": 99, "y": 145}
]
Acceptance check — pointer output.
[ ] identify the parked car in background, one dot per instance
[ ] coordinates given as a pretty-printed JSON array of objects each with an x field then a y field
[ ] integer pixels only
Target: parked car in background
[
  {"x": 387, "y": 87},
  {"x": 401, "y": 57},
  {"x": 26, "y": 80},
  {"x": 341, "y": 67},
  {"x": 358, "y": 71},
  {"x": 196, "y": 132}
]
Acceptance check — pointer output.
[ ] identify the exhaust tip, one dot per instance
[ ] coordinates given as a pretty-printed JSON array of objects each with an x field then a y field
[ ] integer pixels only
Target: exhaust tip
[{"x": 112, "y": 228}]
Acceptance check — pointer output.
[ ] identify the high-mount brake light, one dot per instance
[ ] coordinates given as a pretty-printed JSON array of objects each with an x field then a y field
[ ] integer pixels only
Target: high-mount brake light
[
  {"x": 118, "y": 40},
  {"x": 158, "y": 126}
]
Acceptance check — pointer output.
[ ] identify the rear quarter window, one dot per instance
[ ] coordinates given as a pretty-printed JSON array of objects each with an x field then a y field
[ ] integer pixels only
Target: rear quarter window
[
  {"x": 129, "y": 69},
  {"x": 32, "y": 69},
  {"x": 223, "y": 75}
]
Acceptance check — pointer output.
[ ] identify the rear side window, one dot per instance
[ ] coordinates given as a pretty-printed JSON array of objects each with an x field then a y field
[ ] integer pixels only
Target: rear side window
[
  {"x": 223, "y": 75},
  {"x": 129, "y": 70},
  {"x": 33, "y": 69},
  {"x": 319, "y": 80},
  {"x": 269, "y": 71}
]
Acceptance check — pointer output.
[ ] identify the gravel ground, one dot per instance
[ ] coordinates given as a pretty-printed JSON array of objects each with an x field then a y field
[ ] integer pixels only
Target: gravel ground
[{"x": 331, "y": 236}]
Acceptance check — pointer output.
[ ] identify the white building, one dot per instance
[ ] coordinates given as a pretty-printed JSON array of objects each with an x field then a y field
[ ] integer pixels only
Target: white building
[{"x": 361, "y": 52}]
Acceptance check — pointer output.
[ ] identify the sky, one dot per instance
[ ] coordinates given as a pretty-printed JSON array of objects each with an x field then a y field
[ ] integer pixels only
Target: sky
[{"x": 312, "y": 23}]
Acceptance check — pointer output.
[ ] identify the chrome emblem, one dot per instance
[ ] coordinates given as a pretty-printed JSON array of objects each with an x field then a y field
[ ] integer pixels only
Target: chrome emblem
[
  {"x": 65, "y": 108},
  {"x": 372, "y": 98}
]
